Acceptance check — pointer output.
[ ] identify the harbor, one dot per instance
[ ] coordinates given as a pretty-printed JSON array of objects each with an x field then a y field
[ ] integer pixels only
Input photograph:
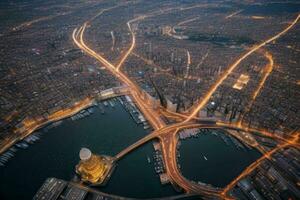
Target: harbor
[
  {"x": 96, "y": 128},
  {"x": 55, "y": 154},
  {"x": 124, "y": 101},
  {"x": 226, "y": 137},
  {"x": 12, "y": 151},
  {"x": 127, "y": 104},
  {"x": 134, "y": 112},
  {"x": 200, "y": 152}
]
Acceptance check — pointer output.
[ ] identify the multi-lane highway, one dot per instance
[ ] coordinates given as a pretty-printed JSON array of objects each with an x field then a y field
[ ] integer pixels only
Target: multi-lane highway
[
  {"x": 230, "y": 69},
  {"x": 167, "y": 134}
]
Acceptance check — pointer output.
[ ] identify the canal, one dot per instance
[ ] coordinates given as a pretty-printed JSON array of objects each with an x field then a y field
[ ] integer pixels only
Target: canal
[
  {"x": 213, "y": 158},
  {"x": 56, "y": 154}
]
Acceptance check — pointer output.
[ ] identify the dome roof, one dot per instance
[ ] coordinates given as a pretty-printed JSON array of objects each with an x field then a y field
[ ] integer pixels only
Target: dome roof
[{"x": 85, "y": 154}]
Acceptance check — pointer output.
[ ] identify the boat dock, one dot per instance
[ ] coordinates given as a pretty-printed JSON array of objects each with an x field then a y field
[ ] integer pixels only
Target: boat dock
[{"x": 134, "y": 112}]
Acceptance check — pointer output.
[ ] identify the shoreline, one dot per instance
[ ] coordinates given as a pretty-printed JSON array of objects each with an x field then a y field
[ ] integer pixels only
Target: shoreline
[
  {"x": 30, "y": 126},
  {"x": 34, "y": 125},
  {"x": 83, "y": 104}
]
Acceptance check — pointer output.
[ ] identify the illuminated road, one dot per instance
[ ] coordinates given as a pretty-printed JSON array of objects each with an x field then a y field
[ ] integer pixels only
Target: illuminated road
[
  {"x": 150, "y": 114},
  {"x": 187, "y": 21},
  {"x": 267, "y": 71},
  {"x": 30, "y": 125},
  {"x": 249, "y": 169},
  {"x": 233, "y": 14},
  {"x": 215, "y": 86},
  {"x": 132, "y": 42},
  {"x": 167, "y": 134},
  {"x": 236, "y": 126},
  {"x": 136, "y": 93},
  {"x": 169, "y": 151},
  {"x": 30, "y": 23}
]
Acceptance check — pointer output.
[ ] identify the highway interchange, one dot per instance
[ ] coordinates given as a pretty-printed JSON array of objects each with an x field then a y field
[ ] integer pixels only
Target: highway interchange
[{"x": 167, "y": 134}]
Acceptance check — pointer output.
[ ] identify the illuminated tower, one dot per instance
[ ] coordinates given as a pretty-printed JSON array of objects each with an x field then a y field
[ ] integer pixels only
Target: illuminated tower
[{"x": 91, "y": 168}]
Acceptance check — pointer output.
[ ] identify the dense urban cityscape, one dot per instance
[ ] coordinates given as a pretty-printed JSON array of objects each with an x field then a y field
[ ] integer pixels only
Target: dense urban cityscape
[{"x": 161, "y": 99}]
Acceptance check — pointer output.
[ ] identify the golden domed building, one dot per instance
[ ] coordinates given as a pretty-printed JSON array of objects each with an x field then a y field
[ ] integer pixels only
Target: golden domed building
[{"x": 92, "y": 168}]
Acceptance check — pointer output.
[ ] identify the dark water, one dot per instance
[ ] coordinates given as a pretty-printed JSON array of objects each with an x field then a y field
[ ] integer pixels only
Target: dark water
[
  {"x": 56, "y": 155},
  {"x": 224, "y": 162},
  {"x": 136, "y": 175}
]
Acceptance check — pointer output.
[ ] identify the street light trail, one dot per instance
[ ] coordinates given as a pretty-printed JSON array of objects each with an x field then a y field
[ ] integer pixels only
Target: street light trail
[
  {"x": 233, "y": 14},
  {"x": 150, "y": 115},
  {"x": 167, "y": 133},
  {"x": 132, "y": 43},
  {"x": 187, "y": 21},
  {"x": 236, "y": 126},
  {"x": 250, "y": 169},
  {"x": 232, "y": 67},
  {"x": 267, "y": 72}
]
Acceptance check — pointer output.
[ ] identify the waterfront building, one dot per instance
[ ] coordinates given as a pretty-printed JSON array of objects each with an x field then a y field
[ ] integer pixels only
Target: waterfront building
[{"x": 91, "y": 168}]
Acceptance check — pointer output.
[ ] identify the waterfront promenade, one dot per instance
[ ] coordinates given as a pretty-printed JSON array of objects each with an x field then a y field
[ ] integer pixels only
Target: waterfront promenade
[{"x": 31, "y": 125}]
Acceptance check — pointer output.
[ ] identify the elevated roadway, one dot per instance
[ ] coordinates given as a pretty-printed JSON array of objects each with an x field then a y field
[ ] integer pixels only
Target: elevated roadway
[{"x": 167, "y": 134}]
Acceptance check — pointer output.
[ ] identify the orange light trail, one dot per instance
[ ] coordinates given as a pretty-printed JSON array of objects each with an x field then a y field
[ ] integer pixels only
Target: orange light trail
[
  {"x": 135, "y": 91},
  {"x": 233, "y": 14},
  {"x": 131, "y": 46},
  {"x": 187, "y": 21},
  {"x": 249, "y": 169},
  {"x": 267, "y": 71},
  {"x": 167, "y": 133},
  {"x": 233, "y": 66}
]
